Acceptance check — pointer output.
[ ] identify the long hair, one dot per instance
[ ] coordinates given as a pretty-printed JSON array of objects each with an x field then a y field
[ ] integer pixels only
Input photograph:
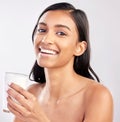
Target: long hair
[{"x": 81, "y": 63}]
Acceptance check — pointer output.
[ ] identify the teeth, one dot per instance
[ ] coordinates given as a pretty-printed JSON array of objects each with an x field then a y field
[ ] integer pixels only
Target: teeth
[{"x": 48, "y": 51}]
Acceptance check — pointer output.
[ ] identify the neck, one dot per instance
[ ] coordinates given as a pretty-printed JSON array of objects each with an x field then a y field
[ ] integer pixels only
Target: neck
[{"x": 58, "y": 81}]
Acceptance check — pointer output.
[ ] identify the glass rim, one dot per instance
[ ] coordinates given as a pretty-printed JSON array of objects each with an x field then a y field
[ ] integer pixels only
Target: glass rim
[{"x": 16, "y": 73}]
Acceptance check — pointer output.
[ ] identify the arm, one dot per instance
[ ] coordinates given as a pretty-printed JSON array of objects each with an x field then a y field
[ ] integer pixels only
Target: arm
[{"x": 99, "y": 105}]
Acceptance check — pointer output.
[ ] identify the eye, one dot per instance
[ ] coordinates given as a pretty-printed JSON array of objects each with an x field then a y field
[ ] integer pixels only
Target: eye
[
  {"x": 61, "y": 33},
  {"x": 41, "y": 30}
]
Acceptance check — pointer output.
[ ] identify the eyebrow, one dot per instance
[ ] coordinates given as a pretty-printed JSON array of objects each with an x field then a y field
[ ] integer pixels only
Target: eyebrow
[
  {"x": 58, "y": 25},
  {"x": 42, "y": 23}
]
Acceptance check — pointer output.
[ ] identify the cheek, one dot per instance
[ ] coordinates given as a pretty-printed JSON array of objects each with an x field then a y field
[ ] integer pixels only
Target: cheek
[
  {"x": 36, "y": 45},
  {"x": 69, "y": 46},
  {"x": 37, "y": 39}
]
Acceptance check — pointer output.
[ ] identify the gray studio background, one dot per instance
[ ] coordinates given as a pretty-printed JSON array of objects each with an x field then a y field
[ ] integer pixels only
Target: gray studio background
[{"x": 17, "y": 20}]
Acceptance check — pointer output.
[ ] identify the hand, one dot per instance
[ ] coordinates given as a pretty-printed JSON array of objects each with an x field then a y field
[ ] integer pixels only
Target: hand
[{"x": 24, "y": 105}]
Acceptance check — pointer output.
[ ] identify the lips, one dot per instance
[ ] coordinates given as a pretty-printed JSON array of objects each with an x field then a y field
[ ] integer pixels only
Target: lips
[{"x": 48, "y": 51}]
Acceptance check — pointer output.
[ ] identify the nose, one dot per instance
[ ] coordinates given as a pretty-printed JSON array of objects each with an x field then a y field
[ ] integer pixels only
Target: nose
[{"x": 48, "y": 39}]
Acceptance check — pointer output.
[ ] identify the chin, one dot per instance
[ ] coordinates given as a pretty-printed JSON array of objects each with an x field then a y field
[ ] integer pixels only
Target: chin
[{"x": 45, "y": 64}]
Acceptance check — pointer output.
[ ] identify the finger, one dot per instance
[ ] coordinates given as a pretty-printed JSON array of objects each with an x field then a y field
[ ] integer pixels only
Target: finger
[
  {"x": 23, "y": 92},
  {"x": 16, "y": 113},
  {"x": 19, "y": 98},
  {"x": 17, "y": 109}
]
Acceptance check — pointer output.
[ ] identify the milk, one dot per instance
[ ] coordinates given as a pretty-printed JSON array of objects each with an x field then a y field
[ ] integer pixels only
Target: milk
[{"x": 17, "y": 78}]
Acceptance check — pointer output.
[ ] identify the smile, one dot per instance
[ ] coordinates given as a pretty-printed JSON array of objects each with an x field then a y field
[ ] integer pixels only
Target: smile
[{"x": 48, "y": 51}]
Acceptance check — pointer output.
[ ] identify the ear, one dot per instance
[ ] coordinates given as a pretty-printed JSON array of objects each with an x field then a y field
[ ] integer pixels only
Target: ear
[{"x": 80, "y": 48}]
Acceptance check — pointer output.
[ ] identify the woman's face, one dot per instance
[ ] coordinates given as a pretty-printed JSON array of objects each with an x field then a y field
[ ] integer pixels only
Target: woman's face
[{"x": 56, "y": 39}]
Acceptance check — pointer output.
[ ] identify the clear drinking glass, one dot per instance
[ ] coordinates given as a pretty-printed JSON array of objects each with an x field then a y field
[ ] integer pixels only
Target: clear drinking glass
[{"x": 17, "y": 78}]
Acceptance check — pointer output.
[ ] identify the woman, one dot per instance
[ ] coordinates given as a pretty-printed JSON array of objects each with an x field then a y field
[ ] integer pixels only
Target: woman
[{"x": 66, "y": 90}]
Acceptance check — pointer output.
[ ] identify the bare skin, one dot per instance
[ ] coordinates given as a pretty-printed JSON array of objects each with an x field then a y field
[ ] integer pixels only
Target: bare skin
[
  {"x": 66, "y": 96},
  {"x": 84, "y": 105}
]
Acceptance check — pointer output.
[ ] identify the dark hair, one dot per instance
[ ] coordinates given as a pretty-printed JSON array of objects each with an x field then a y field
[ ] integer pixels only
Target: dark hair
[{"x": 81, "y": 63}]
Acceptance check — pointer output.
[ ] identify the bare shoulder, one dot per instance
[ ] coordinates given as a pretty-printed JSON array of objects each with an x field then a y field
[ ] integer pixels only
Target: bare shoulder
[
  {"x": 99, "y": 103},
  {"x": 97, "y": 91},
  {"x": 35, "y": 88}
]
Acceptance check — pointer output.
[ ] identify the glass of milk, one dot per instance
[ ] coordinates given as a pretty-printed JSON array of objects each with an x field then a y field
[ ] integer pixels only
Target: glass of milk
[{"x": 17, "y": 78}]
